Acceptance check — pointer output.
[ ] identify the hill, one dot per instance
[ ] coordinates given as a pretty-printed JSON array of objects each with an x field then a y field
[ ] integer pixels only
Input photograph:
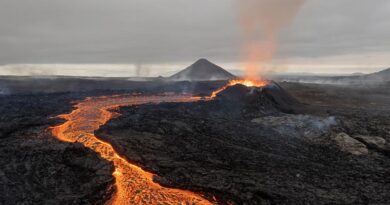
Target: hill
[
  {"x": 202, "y": 70},
  {"x": 378, "y": 78},
  {"x": 383, "y": 75}
]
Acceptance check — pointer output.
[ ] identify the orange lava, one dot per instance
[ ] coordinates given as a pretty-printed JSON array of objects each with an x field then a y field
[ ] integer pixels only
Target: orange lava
[
  {"x": 246, "y": 82},
  {"x": 134, "y": 185}
]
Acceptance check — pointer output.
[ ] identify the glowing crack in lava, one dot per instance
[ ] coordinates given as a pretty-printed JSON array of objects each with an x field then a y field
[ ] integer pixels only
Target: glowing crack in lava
[
  {"x": 246, "y": 82},
  {"x": 134, "y": 185}
]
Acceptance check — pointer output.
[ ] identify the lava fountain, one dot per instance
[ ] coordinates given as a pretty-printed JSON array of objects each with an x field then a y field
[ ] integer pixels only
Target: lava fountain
[
  {"x": 246, "y": 82},
  {"x": 262, "y": 21}
]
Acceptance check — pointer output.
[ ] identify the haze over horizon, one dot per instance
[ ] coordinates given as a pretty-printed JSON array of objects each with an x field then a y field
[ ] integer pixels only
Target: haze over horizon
[{"x": 148, "y": 38}]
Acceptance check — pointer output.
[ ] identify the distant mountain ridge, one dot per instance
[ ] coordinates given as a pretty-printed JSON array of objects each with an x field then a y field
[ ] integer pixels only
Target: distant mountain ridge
[
  {"x": 385, "y": 74},
  {"x": 378, "y": 78},
  {"x": 202, "y": 70}
]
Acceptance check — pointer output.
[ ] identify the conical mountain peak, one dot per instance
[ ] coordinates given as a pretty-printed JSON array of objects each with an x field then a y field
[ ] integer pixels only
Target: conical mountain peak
[{"x": 202, "y": 70}]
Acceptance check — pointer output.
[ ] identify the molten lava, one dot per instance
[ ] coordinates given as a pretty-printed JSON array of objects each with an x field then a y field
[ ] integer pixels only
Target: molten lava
[
  {"x": 246, "y": 82},
  {"x": 133, "y": 184}
]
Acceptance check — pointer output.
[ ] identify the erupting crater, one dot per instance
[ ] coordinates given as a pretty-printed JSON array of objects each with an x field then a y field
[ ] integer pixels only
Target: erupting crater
[{"x": 245, "y": 82}]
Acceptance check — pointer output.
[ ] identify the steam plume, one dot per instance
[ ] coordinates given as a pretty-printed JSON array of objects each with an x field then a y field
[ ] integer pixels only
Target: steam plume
[{"x": 261, "y": 21}]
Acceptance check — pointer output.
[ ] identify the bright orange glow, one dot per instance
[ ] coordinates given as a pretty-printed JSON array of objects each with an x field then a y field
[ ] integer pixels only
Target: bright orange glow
[
  {"x": 246, "y": 82},
  {"x": 133, "y": 184},
  {"x": 249, "y": 83}
]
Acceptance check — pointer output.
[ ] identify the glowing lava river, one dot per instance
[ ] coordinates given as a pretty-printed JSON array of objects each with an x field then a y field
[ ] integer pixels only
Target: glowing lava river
[{"x": 133, "y": 184}]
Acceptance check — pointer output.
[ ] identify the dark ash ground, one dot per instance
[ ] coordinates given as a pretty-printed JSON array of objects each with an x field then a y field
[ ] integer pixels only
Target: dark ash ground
[{"x": 240, "y": 149}]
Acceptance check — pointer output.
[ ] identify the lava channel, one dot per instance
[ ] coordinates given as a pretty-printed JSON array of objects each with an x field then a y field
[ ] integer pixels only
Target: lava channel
[{"x": 133, "y": 184}]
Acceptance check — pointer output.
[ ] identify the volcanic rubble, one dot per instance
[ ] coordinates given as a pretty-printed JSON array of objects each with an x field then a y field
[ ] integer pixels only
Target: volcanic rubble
[
  {"x": 255, "y": 146},
  {"x": 35, "y": 168}
]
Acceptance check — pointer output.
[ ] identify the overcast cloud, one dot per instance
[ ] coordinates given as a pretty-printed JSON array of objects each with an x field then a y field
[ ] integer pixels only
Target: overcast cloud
[{"x": 345, "y": 32}]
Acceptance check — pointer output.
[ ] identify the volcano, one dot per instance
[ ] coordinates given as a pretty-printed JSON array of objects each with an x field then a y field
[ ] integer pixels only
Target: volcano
[
  {"x": 202, "y": 70},
  {"x": 266, "y": 99}
]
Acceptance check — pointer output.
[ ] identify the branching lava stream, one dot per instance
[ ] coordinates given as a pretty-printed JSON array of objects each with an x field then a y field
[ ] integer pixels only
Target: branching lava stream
[{"x": 134, "y": 185}]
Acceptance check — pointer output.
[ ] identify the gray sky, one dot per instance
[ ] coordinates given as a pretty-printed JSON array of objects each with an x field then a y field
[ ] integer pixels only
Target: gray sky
[{"x": 326, "y": 36}]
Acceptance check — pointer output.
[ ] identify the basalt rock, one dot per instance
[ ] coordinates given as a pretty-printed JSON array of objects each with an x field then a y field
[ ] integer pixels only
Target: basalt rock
[
  {"x": 372, "y": 141},
  {"x": 349, "y": 144}
]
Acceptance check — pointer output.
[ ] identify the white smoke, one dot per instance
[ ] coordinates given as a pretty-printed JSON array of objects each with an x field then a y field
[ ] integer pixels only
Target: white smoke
[{"x": 298, "y": 125}]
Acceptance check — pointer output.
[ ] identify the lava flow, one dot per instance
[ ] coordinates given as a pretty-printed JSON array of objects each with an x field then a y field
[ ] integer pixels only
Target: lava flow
[{"x": 133, "y": 185}]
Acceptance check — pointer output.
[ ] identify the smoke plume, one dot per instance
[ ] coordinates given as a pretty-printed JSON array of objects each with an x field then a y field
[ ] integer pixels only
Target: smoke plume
[{"x": 261, "y": 22}]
